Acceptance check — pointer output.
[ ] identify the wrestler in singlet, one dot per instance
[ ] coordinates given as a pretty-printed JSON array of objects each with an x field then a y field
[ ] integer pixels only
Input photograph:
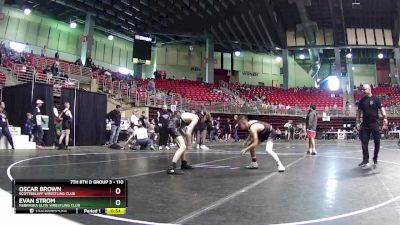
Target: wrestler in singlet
[{"x": 267, "y": 133}]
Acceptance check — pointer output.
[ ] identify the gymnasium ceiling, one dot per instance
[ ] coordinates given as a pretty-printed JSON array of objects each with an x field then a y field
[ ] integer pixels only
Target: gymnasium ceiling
[{"x": 256, "y": 25}]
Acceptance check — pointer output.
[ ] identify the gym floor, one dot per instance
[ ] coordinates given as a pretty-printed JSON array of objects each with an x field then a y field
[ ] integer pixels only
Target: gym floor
[{"x": 327, "y": 188}]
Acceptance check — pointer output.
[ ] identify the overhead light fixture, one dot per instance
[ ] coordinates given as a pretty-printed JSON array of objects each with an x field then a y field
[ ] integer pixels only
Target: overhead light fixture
[
  {"x": 238, "y": 53},
  {"x": 356, "y": 5},
  {"x": 301, "y": 56},
  {"x": 278, "y": 59},
  {"x": 73, "y": 24},
  {"x": 27, "y": 11},
  {"x": 349, "y": 55},
  {"x": 110, "y": 37},
  {"x": 333, "y": 83},
  {"x": 277, "y": 48},
  {"x": 380, "y": 56},
  {"x": 125, "y": 71},
  {"x": 191, "y": 48},
  {"x": 18, "y": 47}
]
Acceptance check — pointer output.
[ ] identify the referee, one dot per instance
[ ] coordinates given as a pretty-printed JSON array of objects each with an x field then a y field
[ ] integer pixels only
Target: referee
[{"x": 368, "y": 108}]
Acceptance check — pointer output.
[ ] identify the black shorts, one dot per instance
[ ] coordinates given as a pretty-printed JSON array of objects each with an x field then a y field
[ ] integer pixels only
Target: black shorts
[
  {"x": 267, "y": 135},
  {"x": 66, "y": 126},
  {"x": 174, "y": 132}
]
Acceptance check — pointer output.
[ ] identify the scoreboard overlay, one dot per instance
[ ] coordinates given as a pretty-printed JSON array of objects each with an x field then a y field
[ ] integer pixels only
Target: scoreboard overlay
[{"x": 79, "y": 196}]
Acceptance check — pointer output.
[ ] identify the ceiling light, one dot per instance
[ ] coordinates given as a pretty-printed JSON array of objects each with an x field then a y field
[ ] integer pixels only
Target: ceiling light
[
  {"x": 27, "y": 11},
  {"x": 73, "y": 24},
  {"x": 301, "y": 56},
  {"x": 237, "y": 53},
  {"x": 380, "y": 56},
  {"x": 278, "y": 59},
  {"x": 110, "y": 37},
  {"x": 349, "y": 55}
]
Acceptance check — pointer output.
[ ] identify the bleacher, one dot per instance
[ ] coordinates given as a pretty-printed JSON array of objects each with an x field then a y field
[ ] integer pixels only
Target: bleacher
[
  {"x": 388, "y": 95},
  {"x": 301, "y": 97}
]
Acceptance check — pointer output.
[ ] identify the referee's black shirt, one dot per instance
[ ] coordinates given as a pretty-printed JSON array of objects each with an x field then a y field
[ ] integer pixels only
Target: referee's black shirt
[{"x": 370, "y": 108}]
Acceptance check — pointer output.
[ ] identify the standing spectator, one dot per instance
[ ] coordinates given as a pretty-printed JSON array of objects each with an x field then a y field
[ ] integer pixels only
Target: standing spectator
[
  {"x": 134, "y": 120},
  {"x": 213, "y": 130},
  {"x": 228, "y": 129},
  {"x": 288, "y": 126},
  {"x": 311, "y": 126},
  {"x": 38, "y": 121},
  {"x": 66, "y": 118},
  {"x": 4, "y": 125},
  {"x": 143, "y": 117},
  {"x": 43, "y": 51},
  {"x": 56, "y": 55},
  {"x": 368, "y": 109},
  {"x": 28, "y": 126},
  {"x": 115, "y": 117},
  {"x": 201, "y": 131},
  {"x": 235, "y": 127},
  {"x": 347, "y": 110},
  {"x": 163, "y": 118}
]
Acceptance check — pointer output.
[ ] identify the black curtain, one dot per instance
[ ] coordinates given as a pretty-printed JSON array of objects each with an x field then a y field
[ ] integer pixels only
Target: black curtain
[
  {"x": 89, "y": 110},
  {"x": 19, "y": 101}
]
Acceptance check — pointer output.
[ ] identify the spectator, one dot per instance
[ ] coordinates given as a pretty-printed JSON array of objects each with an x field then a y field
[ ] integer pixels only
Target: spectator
[
  {"x": 163, "y": 118},
  {"x": 38, "y": 122},
  {"x": 56, "y": 55},
  {"x": 152, "y": 129},
  {"x": 55, "y": 68},
  {"x": 66, "y": 118},
  {"x": 43, "y": 51},
  {"x": 4, "y": 125},
  {"x": 311, "y": 126},
  {"x": 201, "y": 131},
  {"x": 142, "y": 137},
  {"x": 28, "y": 126},
  {"x": 228, "y": 129},
  {"x": 331, "y": 133},
  {"x": 115, "y": 117},
  {"x": 213, "y": 130},
  {"x": 288, "y": 127},
  {"x": 278, "y": 133},
  {"x": 78, "y": 62},
  {"x": 235, "y": 127}
]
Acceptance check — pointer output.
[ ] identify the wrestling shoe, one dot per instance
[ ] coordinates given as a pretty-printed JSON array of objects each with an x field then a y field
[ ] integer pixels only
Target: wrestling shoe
[
  {"x": 252, "y": 166},
  {"x": 375, "y": 165},
  {"x": 203, "y": 147},
  {"x": 186, "y": 166},
  {"x": 173, "y": 171},
  {"x": 281, "y": 168},
  {"x": 364, "y": 164}
]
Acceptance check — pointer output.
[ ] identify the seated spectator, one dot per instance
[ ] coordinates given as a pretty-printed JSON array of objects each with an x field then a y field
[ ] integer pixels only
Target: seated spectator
[
  {"x": 331, "y": 134},
  {"x": 142, "y": 137},
  {"x": 278, "y": 133},
  {"x": 78, "y": 62},
  {"x": 55, "y": 68}
]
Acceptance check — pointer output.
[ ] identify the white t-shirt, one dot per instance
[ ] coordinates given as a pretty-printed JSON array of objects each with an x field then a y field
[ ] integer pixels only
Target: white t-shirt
[
  {"x": 38, "y": 118},
  {"x": 134, "y": 120},
  {"x": 141, "y": 133}
]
